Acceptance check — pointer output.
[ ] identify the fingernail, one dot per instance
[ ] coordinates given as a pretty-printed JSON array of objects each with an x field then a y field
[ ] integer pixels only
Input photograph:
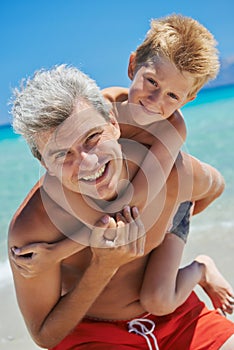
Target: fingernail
[
  {"x": 135, "y": 210},
  {"x": 126, "y": 207},
  {"x": 105, "y": 219},
  {"x": 15, "y": 250}
]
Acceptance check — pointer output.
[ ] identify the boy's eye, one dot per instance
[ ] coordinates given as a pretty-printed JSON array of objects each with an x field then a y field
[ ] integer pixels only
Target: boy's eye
[
  {"x": 172, "y": 95},
  {"x": 153, "y": 82}
]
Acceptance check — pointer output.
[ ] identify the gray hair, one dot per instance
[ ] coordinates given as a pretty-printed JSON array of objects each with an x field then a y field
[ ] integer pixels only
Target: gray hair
[{"x": 49, "y": 97}]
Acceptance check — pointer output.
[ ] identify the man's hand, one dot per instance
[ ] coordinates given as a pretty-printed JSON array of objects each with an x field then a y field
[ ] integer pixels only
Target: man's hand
[{"x": 117, "y": 242}]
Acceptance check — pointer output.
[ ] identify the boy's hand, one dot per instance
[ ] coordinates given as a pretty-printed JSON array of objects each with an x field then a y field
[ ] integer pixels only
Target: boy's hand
[
  {"x": 33, "y": 259},
  {"x": 117, "y": 242}
]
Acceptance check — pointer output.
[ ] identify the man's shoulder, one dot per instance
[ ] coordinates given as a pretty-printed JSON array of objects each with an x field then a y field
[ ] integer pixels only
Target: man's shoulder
[{"x": 31, "y": 222}]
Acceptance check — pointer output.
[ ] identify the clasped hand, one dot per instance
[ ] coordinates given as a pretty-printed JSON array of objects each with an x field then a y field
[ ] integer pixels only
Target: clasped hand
[{"x": 120, "y": 240}]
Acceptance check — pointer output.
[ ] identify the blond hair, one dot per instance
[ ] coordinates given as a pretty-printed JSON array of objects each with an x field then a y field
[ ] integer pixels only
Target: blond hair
[{"x": 186, "y": 43}]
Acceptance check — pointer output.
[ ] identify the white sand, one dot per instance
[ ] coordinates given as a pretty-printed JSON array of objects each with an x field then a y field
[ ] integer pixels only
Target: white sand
[{"x": 13, "y": 333}]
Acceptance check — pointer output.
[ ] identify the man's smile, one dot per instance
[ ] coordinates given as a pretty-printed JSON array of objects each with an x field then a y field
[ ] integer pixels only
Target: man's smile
[{"x": 97, "y": 175}]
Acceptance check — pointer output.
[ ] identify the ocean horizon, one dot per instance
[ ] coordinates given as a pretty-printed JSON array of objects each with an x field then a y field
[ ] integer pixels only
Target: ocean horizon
[{"x": 210, "y": 135}]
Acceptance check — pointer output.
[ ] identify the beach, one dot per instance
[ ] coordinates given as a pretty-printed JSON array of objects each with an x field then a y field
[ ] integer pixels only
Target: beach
[
  {"x": 210, "y": 138},
  {"x": 13, "y": 332}
]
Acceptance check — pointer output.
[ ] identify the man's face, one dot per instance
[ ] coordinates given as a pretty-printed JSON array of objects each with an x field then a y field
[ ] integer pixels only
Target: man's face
[
  {"x": 84, "y": 153},
  {"x": 160, "y": 89}
]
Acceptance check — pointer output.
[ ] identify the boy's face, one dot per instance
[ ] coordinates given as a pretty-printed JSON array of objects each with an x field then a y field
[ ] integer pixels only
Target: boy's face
[
  {"x": 84, "y": 153},
  {"x": 159, "y": 88}
]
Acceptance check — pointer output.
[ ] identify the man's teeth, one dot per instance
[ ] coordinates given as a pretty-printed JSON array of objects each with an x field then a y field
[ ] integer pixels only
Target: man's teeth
[{"x": 95, "y": 176}]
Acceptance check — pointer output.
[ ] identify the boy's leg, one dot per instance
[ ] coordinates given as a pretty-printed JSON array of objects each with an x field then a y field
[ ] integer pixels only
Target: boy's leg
[{"x": 181, "y": 221}]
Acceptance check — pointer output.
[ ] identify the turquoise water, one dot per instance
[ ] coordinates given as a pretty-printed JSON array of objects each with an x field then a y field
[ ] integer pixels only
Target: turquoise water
[
  {"x": 18, "y": 172},
  {"x": 210, "y": 123}
]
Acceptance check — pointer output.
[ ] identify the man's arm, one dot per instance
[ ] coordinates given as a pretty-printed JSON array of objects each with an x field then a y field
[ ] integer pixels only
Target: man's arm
[
  {"x": 40, "y": 300},
  {"x": 43, "y": 308}
]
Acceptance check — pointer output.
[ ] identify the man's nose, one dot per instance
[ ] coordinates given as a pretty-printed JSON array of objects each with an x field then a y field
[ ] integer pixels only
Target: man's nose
[{"x": 88, "y": 160}]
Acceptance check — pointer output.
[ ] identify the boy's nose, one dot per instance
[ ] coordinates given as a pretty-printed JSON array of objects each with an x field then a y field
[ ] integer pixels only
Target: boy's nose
[
  {"x": 88, "y": 161},
  {"x": 156, "y": 96}
]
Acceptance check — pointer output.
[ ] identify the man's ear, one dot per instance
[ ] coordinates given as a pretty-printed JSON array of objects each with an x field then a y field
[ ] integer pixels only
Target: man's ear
[{"x": 131, "y": 65}]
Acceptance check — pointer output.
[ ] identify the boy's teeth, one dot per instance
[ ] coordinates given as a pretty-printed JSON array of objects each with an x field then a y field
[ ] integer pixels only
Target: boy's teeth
[{"x": 96, "y": 175}]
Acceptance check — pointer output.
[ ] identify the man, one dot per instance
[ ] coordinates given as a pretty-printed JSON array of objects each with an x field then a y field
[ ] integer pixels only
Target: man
[{"x": 62, "y": 116}]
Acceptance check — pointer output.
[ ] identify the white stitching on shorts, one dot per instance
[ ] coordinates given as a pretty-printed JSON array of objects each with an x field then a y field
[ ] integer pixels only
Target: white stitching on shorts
[{"x": 143, "y": 330}]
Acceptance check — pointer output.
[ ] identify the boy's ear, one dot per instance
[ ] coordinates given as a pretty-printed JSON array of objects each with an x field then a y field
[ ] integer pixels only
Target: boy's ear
[
  {"x": 115, "y": 124},
  {"x": 131, "y": 65},
  {"x": 191, "y": 98}
]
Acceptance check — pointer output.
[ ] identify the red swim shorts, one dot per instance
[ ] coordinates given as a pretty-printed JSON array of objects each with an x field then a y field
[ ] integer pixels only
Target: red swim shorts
[{"x": 190, "y": 327}]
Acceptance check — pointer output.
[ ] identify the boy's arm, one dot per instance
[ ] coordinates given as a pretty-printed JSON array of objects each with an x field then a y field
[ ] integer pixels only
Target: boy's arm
[
  {"x": 164, "y": 139},
  {"x": 34, "y": 258}
]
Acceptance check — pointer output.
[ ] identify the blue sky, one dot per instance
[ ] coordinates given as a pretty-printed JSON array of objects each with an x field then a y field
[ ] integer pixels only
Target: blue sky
[{"x": 97, "y": 36}]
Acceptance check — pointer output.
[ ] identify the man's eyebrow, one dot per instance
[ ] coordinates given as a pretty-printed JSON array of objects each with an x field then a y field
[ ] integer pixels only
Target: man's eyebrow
[
  {"x": 66, "y": 149},
  {"x": 91, "y": 131}
]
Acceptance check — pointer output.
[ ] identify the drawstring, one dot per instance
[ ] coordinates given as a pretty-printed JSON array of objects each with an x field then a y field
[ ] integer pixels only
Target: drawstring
[{"x": 144, "y": 331}]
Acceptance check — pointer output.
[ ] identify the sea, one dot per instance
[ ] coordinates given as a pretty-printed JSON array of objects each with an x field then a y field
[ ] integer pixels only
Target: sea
[{"x": 210, "y": 137}]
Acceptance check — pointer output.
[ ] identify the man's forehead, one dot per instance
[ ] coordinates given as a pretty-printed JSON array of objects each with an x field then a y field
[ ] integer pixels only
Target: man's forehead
[{"x": 75, "y": 128}]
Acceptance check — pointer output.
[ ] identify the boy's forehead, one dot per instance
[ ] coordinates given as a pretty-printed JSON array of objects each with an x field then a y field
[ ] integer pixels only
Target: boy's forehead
[{"x": 156, "y": 64}]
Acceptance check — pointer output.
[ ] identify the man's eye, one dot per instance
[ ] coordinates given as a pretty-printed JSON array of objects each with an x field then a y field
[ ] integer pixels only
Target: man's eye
[
  {"x": 173, "y": 96},
  {"x": 153, "y": 82},
  {"x": 61, "y": 154},
  {"x": 93, "y": 137}
]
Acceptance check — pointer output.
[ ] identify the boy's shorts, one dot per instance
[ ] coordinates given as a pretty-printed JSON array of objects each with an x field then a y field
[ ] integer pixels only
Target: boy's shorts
[
  {"x": 190, "y": 327},
  {"x": 181, "y": 221}
]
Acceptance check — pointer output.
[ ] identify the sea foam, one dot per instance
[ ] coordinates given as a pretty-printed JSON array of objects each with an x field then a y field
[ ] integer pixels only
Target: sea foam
[{"x": 5, "y": 275}]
